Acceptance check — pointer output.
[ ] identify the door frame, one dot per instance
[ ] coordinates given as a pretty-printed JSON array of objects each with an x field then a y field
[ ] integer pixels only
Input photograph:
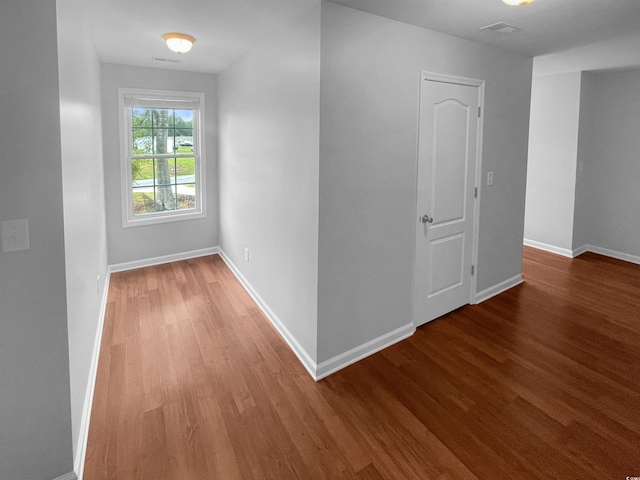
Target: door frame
[{"x": 472, "y": 82}]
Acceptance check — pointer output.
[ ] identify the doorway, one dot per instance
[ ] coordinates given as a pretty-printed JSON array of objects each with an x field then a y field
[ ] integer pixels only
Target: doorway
[{"x": 449, "y": 158}]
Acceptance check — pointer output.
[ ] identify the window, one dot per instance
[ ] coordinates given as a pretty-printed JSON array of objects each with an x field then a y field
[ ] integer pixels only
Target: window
[{"x": 162, "y": 156}]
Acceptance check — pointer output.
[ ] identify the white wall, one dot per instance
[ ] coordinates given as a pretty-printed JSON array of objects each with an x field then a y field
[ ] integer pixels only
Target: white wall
[
  {"x": 581, "y": 189},
  {"x": 142, "y": 242},
  {"x": 608, "y": 191},
  {"x": 583, "y": 221},
  {"x": 370, "y": 82},
  {"x": 552, "y": 165},
  {"x": 268, "y": 108},
  {"x": 85, "y": 236},
  {"x": 35, "y": 414}
]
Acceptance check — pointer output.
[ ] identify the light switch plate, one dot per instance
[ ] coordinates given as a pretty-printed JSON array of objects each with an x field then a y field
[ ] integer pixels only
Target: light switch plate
[{"x": 15, "y": 235}]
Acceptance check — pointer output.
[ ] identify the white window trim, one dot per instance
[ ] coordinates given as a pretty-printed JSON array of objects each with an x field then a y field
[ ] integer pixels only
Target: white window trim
[{"x": 128, "y": 218}]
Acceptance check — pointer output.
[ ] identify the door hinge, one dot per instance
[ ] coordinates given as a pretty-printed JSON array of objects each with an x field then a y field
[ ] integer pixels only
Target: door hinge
[
  {"x": 473, "y": 269},
  {"x": 475, "y": 193},
  {"x": 479, "y": 111}
]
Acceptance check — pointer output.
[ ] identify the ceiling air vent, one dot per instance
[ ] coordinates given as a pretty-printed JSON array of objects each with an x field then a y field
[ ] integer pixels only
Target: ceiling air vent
[
  {"x": 164, "y": 60},
  {"x": 501, "y": 27}
]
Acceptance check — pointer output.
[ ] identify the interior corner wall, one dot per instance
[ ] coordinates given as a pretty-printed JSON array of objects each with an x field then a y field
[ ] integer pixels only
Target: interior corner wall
[
  {"x": 142, "y": 242},
  {"x": 35, "y": 413},
  {"x": 583, "y": 224},
  {"x": 608, "y": 194},
  {"x": 370, "y": 83},
  {"x": 269, "y": 114},
  {"x": 85, "y": 236},
  {"x": 552, "y": 165}
]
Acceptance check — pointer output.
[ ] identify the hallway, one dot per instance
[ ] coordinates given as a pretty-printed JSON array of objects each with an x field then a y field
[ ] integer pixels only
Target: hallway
[{"x": 540, "y": 382}]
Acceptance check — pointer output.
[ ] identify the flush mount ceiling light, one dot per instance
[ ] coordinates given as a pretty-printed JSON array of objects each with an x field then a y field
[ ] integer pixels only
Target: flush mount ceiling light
[
  {"x": 179, "y": 42},
  {"x": 518, "y": 2}
]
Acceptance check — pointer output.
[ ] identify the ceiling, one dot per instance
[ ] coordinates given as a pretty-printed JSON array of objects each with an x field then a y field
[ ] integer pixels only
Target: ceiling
[
  {"x": 130, "y": 32},
  {"x": 564, "y": 35}
]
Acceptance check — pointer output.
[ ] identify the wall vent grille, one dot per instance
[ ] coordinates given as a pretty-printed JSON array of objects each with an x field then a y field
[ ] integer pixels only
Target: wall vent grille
[
  {"x": 164, "y": 60},
  {"x": 501, "y": 27}
]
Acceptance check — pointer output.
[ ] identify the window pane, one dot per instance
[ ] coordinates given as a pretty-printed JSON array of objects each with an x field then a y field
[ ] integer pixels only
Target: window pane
[
  {"x": 184, "y": 141},
  {"x": 185, "y": 169},
  {"x": 160, "y": 188},
  {"x": 163, "y": 140},
  {"x": 142, "y": 141},
  {"x": 165, "y": 171},
  {"x": 165, "y": 198},
  {"x": 141, "y": 117},
  {"x": 184, "y": 122},
  {"x": 186, "y": 195},
  {"x": 142, "y": 173},
  {"x": 143, "y": 201},
  {"x": 162, "y": 117}
]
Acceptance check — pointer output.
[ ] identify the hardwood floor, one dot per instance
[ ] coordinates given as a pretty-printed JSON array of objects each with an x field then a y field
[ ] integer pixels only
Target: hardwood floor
[{"x": 540, "y": 382}]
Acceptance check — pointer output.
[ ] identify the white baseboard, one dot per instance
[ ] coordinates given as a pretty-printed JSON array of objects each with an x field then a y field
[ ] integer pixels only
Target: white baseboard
[
  {"x": 81, "y": 448},
  {"x": 67, "y": 476},
  {"x": 176, "y": 257},
  {"x": 582, "y": 249},
  {"x": 610, "y": 253},
  {"x": 487, "y": 293},
  {"x": 345, "y": 359},
  {"x": 284, "y": 332},
  {"x": 565, "y": 252},
  {"x": 334, "y": 364}
]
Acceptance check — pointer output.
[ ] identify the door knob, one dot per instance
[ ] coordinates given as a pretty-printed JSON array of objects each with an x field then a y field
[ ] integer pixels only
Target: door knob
[{"x": 426, "y": 219}]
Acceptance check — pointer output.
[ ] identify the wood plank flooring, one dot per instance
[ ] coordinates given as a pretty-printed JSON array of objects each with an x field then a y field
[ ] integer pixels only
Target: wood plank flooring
[{"x": 540, "y": 382}]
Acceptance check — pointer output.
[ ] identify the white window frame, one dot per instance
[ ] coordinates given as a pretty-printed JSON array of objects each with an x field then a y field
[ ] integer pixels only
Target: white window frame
[{"x": 131, "y": 97}]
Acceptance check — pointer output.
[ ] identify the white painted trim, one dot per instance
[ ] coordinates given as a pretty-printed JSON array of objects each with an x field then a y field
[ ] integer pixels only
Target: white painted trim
[
  {"x": 81, "y": 447},
  {"x": 471, "y": 82},
  {"x": 200, "y": 210},
  {"x": 476, "y": 204},
  {"x": 67, "y": 476},
  {"x": 446, "y": 78},
  {"x": 565, "y": 252},
  {"x": 611, "y": 253},
  {"x": 334, "y": 364},
  {"x": 316, "y": 371},
  {"x": 627, "y": 257},
  {"x": 345, "y": 359},
  {"x": 175, "y": 257},
  {"x": 487, "y": 293},
  {"x": 284, "y": 332},
  {"x": 580, "y": 250}
]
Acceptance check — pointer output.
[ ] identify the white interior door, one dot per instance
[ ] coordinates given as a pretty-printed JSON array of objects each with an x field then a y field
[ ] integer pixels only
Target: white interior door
[{"x": 447, "y": 160}]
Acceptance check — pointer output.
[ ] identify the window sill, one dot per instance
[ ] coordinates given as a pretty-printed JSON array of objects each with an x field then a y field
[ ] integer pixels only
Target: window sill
[{"x": 151, "y": 219}]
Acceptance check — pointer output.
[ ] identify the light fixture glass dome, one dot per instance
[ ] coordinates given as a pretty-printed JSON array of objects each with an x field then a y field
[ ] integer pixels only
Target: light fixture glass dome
[
  {"x": 179, "y": 42},
  {"x": 518, "y": 2}
]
